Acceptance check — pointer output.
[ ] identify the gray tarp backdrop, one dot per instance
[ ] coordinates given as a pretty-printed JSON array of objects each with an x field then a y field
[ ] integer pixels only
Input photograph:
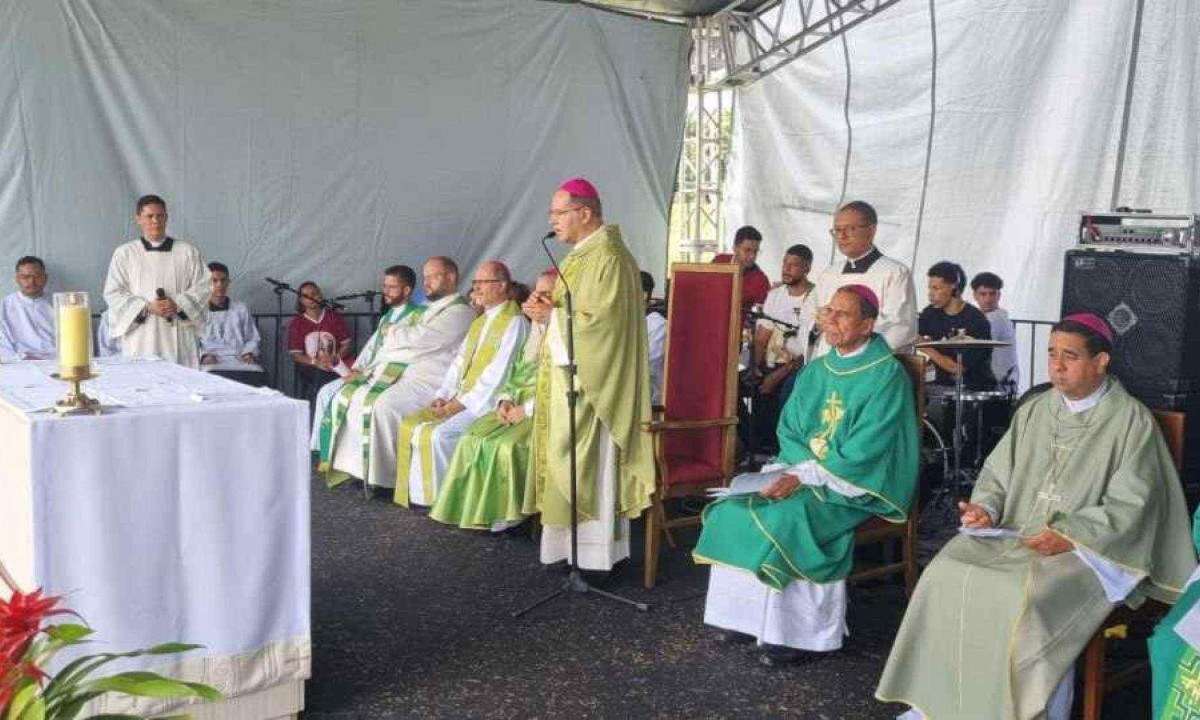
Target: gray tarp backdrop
[
  {"x": 327, "y": 139},
  {"x": 1025, "y": 111}
]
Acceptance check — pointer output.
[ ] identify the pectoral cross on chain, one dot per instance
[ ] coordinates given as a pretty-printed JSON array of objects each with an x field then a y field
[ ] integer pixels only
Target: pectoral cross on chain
[{"x": 1051, "y": 496}]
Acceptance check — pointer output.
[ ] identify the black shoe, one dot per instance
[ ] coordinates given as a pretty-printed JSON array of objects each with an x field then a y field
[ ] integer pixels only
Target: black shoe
[
  {"x": 733, "y": 637},
  {"x": 781, "y": 656}
]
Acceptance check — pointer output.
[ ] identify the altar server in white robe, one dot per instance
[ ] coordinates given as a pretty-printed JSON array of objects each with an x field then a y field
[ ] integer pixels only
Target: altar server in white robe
[
  {"x": 229, "y": 345},
  {"x": 468, "y": 391},
  {"x": 853, "y": 230},
  {"x": 146, "y": 324},
  {"x": 27, "y": 315},
  {"x": 427, "y": 349}
]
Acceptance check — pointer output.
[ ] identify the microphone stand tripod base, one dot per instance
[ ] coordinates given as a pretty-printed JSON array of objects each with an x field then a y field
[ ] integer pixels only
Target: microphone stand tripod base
[
  {"x": 574, "y": 583},
  {"x": 76, "y": 402}
]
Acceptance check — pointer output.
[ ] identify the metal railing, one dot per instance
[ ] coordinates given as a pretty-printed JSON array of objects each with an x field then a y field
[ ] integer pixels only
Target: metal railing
[{"x": 1033, "y": 338}]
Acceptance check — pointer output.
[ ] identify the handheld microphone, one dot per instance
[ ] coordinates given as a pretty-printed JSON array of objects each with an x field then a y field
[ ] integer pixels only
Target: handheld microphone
[
  {"x": 548, "y": 235},
  {"x": 162, "y": 295}
]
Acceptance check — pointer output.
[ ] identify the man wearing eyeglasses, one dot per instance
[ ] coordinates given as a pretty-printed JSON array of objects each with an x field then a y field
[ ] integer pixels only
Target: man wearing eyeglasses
[
  {"x": 425, "y": 349},
  {"x": 615, "y": 455},
  {"x": 468, "y": 390},
  {"x": 853, "y": 231}
]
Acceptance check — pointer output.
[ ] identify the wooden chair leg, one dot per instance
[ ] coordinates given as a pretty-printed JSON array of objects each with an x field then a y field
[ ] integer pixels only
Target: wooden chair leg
[
  {"x": 653, "y": 538},
  {"x": 1093, "y": 677},
  {"x": 665, "y": 528},
  {"x": 911, "y": 570}
]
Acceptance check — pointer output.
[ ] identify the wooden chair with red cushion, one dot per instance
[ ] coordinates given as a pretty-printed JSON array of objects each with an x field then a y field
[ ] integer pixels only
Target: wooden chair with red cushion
[
  {"x": 695, "y": 430},
  {"x": 1097, "y": 681}
]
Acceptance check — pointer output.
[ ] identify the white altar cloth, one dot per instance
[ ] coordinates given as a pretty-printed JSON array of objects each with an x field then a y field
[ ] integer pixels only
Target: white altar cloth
[{"x": 182, "y": 515}]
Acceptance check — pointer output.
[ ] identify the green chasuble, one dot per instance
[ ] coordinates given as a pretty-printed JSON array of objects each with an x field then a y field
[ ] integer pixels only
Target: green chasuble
[
  {"x": 854, "y": 416},
  {"x": 1175, "y": 663},
  {"x": 478, "y": 351},
  {"x": 376, "y": 378},
  {"x": 993, "y": 626},
  {"x": 485, "y": 483},
  {"x": 613, "y": 382}
]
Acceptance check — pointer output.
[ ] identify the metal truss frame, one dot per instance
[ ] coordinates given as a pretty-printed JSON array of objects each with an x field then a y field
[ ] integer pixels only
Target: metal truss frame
[{"x": 756, "y": 38}]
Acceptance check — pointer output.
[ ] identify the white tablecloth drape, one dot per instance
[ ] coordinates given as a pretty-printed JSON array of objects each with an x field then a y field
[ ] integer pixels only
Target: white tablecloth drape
[{"x": 184, "y": 520}]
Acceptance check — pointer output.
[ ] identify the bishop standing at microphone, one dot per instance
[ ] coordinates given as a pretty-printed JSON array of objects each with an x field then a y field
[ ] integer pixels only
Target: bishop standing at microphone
[
  {"x": 615, "y": 455},
  {"x": 156, "y": 290}
]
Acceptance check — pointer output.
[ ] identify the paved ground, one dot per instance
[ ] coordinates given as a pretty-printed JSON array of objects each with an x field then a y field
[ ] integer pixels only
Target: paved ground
[{"x": 412, "y": 619}]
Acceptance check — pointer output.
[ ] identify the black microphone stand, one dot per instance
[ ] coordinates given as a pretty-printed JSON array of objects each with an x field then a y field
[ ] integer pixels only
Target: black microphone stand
[
  {"x": 279, "y": 289},
  {"x": 574, "y": 582}
]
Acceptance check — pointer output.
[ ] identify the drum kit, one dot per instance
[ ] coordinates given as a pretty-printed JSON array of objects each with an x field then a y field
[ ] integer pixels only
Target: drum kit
[{"x": 961, "y": 399}]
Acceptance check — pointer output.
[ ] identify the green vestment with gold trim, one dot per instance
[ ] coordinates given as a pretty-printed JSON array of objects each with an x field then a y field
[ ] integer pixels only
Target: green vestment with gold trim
[
  {"x": 855, "y": 416},
  {"x": 1174, "y": 662},
  {"x": 993, "y": 626},
  {"x": 612, "y": 355},
  {"x": 485, "y": 482}
]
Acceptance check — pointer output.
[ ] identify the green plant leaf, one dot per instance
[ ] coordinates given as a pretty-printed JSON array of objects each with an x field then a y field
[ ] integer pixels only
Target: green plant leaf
[
  {"x": 114, "y": 716},
  {"x": 68, "y": 706},
  {"x": 34, "y": 710},
  {"x": 68, "y": 632},
  {"x": 148, "y": 684},
  {"x": 171, "y": 648},
  {"x": 26, "y": 691}
]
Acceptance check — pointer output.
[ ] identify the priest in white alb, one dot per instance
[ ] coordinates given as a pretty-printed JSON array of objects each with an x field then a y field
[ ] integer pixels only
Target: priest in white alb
[
  {"x": 157, "y": 290},
  {"x": 426, "y": 348},
  {"x": 27, "y": 315},
  {"x": 469, "y": 388}
]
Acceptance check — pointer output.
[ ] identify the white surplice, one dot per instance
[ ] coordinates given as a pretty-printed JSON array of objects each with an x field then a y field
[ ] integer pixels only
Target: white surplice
[
  {"x": 26, "y": 328},
  {"x": 427, "y": 348},
  {"x": 477, "y": 402},
  {"x": 134, "y": 275},
  {"x": 603, "y": 542},
  {"x": 656, "y": 338},
  {"x": 229, "y": 334}
]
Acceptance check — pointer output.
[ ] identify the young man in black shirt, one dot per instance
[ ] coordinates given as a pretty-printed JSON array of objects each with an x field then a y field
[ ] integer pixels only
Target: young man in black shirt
[{"x": 947, "y": 316}]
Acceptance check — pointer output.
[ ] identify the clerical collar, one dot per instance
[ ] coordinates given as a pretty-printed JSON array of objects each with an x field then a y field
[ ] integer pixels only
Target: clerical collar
[
  {"x": 164, "y": 246},
  {"x": 862, "y": 264},
  {"x": 494, "y": 310},
  {"x": 1089, "y": 402},
  {"x": 218, "y": 307},
  {"x": 855, "y": 352},
  {"x": 443, "y": 301}
]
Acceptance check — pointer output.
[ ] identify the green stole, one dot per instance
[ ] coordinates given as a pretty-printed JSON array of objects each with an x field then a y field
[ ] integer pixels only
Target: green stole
[
  {"x": 421, "y": 423},
  {"x": 856, "y": 418},
  {"x": 374, "y": 382}
]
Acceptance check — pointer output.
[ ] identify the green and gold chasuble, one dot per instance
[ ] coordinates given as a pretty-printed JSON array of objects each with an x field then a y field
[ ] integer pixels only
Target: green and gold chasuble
[
  {"x": 485, "y": 482},
  {"x": 993, "y": 626},
  {"x": 478, "y": 352},
  {"x": 613, "y": 382},
  {"x": 375, "y": 379},
  {"x": 854, "y": 416},
  {"x": 1175, "y": 663}
]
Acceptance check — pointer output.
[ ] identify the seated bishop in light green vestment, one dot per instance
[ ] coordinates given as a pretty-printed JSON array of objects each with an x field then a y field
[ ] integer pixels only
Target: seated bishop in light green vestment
[
  {"x": 485, "y": 483},
  {"x": 994, "y": 627},
  {"x": 1174, "y": 660},
  {"x": 353, "y": 400},
  {"x": 849, "y": 433}
]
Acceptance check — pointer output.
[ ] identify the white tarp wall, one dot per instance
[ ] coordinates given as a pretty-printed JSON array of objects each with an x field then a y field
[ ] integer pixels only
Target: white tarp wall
[
  {"x": 1026, "y": 115},
  {"x": 328, "y": 139}
]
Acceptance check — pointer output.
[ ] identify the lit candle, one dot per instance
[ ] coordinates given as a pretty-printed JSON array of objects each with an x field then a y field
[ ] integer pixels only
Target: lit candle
[{"x": 74, "y": 339}]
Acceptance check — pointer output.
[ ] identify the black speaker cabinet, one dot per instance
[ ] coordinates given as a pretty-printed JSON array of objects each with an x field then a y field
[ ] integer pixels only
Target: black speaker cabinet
[{"x": 1152, "y": 302}]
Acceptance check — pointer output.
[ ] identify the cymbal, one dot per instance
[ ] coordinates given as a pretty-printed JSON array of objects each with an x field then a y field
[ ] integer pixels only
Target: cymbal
[{"x": 962, "y": 343}]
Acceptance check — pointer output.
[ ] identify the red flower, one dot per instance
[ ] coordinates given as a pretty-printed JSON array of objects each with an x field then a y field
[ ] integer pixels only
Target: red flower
[
  {"x": 11, "y": 674},
  {"x": 20, "y": 619}
]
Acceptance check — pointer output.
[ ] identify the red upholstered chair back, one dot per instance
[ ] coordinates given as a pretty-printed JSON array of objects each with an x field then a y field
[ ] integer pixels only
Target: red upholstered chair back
[{"x": 701, "y": 365}]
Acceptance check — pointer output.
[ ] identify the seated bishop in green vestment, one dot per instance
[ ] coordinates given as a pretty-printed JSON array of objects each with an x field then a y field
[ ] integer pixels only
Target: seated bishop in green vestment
[
  {"x": 484, "y": 487},
  {"x": 1077, "y": 509},
  {"x": 1175, "y": 651},
  {"x": 782, "y": 542}
]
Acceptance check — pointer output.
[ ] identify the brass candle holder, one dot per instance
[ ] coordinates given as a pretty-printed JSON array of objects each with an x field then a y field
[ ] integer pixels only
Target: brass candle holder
[
  {"x": 73, "y": 337},
  {"x": 77, "y": 402}
]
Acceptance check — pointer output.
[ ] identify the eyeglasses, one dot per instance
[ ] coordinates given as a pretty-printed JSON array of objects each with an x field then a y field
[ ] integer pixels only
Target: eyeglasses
[
  {"x": 559, "y": 213},
  {"x": 848, "y": 229},
  {"x": 431, "y": 276},
  {"x": 477, "y": 283}
]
